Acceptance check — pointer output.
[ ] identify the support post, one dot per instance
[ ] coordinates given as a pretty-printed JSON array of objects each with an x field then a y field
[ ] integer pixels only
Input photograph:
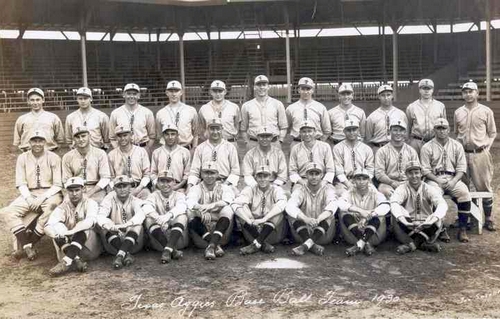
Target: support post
[
  {"x": 488, "y": 52},
  {"x": 181, "y": 57},
  {"x": 288, "y": 62},
  {"x": 395, "y": 61},
  {"x": 84, "y": 59}
]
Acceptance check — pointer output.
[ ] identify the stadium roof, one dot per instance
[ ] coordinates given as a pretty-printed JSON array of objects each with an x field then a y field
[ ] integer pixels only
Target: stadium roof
[{"x": 233, "y": 15}]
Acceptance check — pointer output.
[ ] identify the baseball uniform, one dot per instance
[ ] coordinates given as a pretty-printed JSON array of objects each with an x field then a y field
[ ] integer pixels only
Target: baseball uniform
[
  {"x": 301, "y": 155},
  {"x": 421, "y": 120},
  {"x": 176, "y": 161},
  {"x": 230, "y": 116},
  {"x": 141, "y": 120},
  {"x": 275, "y": 159},
  {"x": 46, "y": 122},
  {"x": 348, "y": 159},
  {"x": 185, "y": 119},
  {"x": 313, "y": 112},
  {"x": 377, "y": 127},
  {"x": 338, "y": 115}
]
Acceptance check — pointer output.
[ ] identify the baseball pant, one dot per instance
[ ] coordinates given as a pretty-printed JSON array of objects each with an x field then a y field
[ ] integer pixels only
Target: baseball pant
[
  {"x": 326, "y": 228},
  {"x": 406, "y": 234},
  {"x": 176, "y": 232},
  {"x": 90, "y": 250},
  {"x": 480, "y": 169},
  {"x": 221, "y": 222},
  {"x": 271, "y": 232}
]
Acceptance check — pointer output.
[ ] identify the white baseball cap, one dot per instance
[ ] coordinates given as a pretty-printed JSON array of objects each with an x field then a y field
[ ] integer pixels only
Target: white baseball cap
[
  {"x": 38, "y": 134},
  {"x": 413, "y": 165},
  {"x": 384, "y": 87},
  {"x": 426, "y": 83},
  {"x": 84, "y": 91},
  {"x": 122, "y": 179},
  {"x": 314, "y": 167},
  {"x": 218, "y": 84},
  {"x": 263, "y": 130},
  {"x": 131, "y": 86},
  {"x": 119, "y": 129},
  {"x": 174, "y": 85},
  {"x": 345, "y": 88},
  {"x": 261, "y": 78},
  {"x": 361, "y": 172},
  {"x": 170, "y": 126},
  {"x": 470, "y": 85},
  {"x": 307, "y": 82},
  {"x": 74, "y": 181},
  {"x": 398, "y": 122},
  {"x": 215, "y": 122},
  {"x": 307, "y": 124},
  {"x": 36, "y": 91},
  {"x": 209, "y": 166},
  {"x": 441, "y": 122},
  {"x": 80, "y": 129},
  {"x": 351, "y": 122},
  {"x": 263, "y": 169}
]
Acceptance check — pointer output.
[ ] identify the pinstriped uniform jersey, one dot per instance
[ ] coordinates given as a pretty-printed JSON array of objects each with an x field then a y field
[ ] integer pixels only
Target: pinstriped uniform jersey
[
  {"x": 474, "y": 127},
  {"x": 313, "y": 112},
  {"x": 419, "y": 204},
  {"x": 437, "y": 158},
  {"x": 392, "y": 163},
  {"x": 118, "y": 212},
  {"x": 184, "y": 117},
  {"x": 97, "y": 123},
  {"x": 230, "y": 116},
  {"x": 274, "y": 159},
  {"x": 177, "y": 162},
  {"x": 46, "y": 122},
  {"x": 141, "y": 120},
  {"x": 92, "y": 167},
  {"x": 312, "y": 204},
  {"x": 69, "y": 215},
  {"x": 421, "y": 118},
  {"x": 134, "y": 164},
  {"x": 261, "y": 202},
  {"x": 349, "y": 159},
  {"x": 377, "y": 124},
  {"x": 156, "y": 204},
  {"x": 255, "y": 115},
  {"x": 338, "y": 116},
  {"x": 373, "y": 200},
  {"x": 35, "y": 173},
  {"x": 200, "y": 194},
  {"x": 300, "y": 156}
]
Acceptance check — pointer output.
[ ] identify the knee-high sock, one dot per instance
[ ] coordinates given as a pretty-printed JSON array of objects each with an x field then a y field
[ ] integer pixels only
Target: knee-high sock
[
  {"x": 352, "y": 225},
  {"x": 199, "y": 228},
  {"x": 220, "y": 229},
  {"x": 267, "y": 229},
  {"x": 252, "y": 230},
  {"x": 175, "y": 234},
  {"x": 21, "y": 236},
  {"x": 487, "y": 206},
  {"x": 129, "y": 241},
  {"x": 320, "y": 231},
  {"x": 424, "y": 236},
  {"x": 463, "y": 213},
  {"x": 301, "y": 229},
  {"x": 77, "y": 242},
  {"x": 158, "y": 234},
  {"x": 113, "y": 240},
  {"x": 371, "y": 229}
]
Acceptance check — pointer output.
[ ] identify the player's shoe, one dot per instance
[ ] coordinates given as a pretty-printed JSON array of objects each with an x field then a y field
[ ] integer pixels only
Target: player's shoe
[
  {"x": 250, "y": 249},
  {"x": 166, "y": 256},
  {"x": 406, "y": 248},
  {"x": 80, "y": 265},
  {"x": 300, "y": 250},
  {"x": 267, "y": 248},
  {"x": 177, "y": 254},
  {"x": 30, "y": 253},
  {"x": 462, "y": 235},
  {"x": 352, "y": 251},
  {"x": 128, "y": 260},
  {"x": 368, "y": 249},
  {"x": 318, "y": 250},
  {"x": 490, "y": 225},
  {"x": 17, "y": 254},
  {"x": 210, "y": 252},
  {"x": 443, "y": 236},
  {"x": 219, "y": 252},
  {"x": 431, "y": 247},
  {"x": 60, "y": 269},
  {"x": 118, "y": 262}
]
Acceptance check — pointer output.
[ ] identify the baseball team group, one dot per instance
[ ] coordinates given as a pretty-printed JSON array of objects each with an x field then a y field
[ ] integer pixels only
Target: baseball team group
[{"x": 134, "y": 179}]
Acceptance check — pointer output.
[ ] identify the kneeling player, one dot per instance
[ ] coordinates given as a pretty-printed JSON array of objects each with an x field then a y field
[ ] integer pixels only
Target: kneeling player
[
  {"x": 166, "y": 218},
  {"x": 311, "y": 210},
  {"x": 362, "y": 210},
  {"x": 70, "y": 225},
  {"x": 419, "y": 210},
  {"x": 120, "y": 219},
  {"x": 260, "y": 210},
  {"x": 211, "y": 217}
]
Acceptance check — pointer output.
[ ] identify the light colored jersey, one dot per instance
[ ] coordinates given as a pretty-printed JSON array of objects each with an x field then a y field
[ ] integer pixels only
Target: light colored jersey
[
  {"x": 184, "y": 117},
  {"x": 229, "y": 114},
  {"x": 271, "y": 114},
  {"x": 261, "y": 202},
  {"x": 97, "y": 123},
  {"x": 43, "y": 121},
  {"x": 391, "y": 163},
  {"x": 349, "y": 159},
  {"x": 378, "y": 124},
  {"x": 436, "y": 158},
  {"x": 200, "y": 194},
  {"x": 421, "y": 118},
  {"x": 141, "y": 120},
  {"x": 300, "y": 156},
  {"x": 313, "y": 112},
  {"x": 117, "y": 212},
  {"x": 156, "y": 204},
  {"x": 338, "y": 116},
  {"x": 373, "y": 200},
  {"x": 418, "y": 204},
  {"x": 36, "y": 173},
  {"x": 274, "y": 159},
  {"x": 474, "y": 127},
  {"x": 92, "y": 167},
  {"x": 312, "y": 205},
  {"x": 69, "y": 215},
  {"x": 176, "y": 162},
  {"x": 134, "y": 164}
]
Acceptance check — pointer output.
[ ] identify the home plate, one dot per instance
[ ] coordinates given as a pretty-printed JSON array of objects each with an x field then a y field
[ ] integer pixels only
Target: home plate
[{"x": 280, "y": 263}]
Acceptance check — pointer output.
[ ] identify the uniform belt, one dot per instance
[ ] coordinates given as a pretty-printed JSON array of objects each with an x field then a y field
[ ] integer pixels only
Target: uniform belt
[
  {"x": 477, "y": 150},
  {"x": 335, "y": 142},
  {"x": 253, "y": 139},
  {"x": 135, "y": 184},
  {"x": 187, "y": 146},
  {"x": 445, "y": 173},
  {"x": 143, "y": 144},
  {"x": 91, "y": 183},
  {"x": 231, "y": 140},
  {"x": 420, "y": 138},
  {"x": 378, "y": 144},
  {"x": 297, "y": 139}
]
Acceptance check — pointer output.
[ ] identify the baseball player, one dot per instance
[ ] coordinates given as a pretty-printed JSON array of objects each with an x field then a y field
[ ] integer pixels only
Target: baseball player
[
  {"x": 216, "y": 149},
  {"x": 391, "y": 159},
  {"x": 130, "y": 160},
  {"x": 307, "y": 109},
  {"x": 419, "y": 209},
  {"x": 120, "y": 219},
  {"x": 96, "y": 121},
  {"x": 227, "y": 111},
  {"x": 263, "y": 110},
  {"x": 166, "y": 219},
  {"x": 307, "y": 151},
  {"x": 38, "y": 179},
  {"x": 377, "y": 130},
  {"x": 422, "y": 114},
  {"x": 352, "y": 154},
  {"x": 444, "y": 165},
  {"x": 88, "y": 162},
  {"x": 476, "y": 130},
  {"x": 211, "y": 217},
  {"x": 171, "y": 157},
  {"x": 38, "y": 119},
  {"x": 138, "y": 117},
  {"x": 180, "y": 114},
  {"x": 71, "y": 227},
  {"x": 311, "y": 212},
  {"x": 265, "y": 154},
  {"x": 343, "y": 112},
  {"x": 260, "y": 209},
  {"x": 362, "y": 211}
]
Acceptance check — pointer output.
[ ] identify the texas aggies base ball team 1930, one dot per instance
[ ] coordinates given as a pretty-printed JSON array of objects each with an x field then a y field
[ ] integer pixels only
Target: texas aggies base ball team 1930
[{"x": 348, "y": 176}]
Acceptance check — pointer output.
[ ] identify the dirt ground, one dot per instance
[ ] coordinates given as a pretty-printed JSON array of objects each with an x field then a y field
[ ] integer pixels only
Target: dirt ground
[{"x": 463, "y": 281}]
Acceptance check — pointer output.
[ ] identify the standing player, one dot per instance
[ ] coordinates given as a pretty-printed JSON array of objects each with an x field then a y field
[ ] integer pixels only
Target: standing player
[
  {"x": 444, "y": 165},
  {"x": 352, "y": 154},
  {"x": 265, "y": 154},
  {"x": 311, "y": 210},
  {"x": 362, "y": 210},
  {"x": 227, "y": 111},
  {"x": 377, "y": 132},
  {"x": 38, "y": 179},
  {"x": 136, "y": 116},
  {"x": 211, "y": 217},
  {"x": 260, "y": 210},
  {"x": 120, "y": 218},
  {"x": 476, "y": 130},
  {"x": 263, "y": 110},
  {"x": 343, "y": 112},
  {"x": 38, "y": 119},
  {"x": 307, "y": 151},
  {"x": 216, "y": 149},
  {"x": 166, "y": 219},
  {"x": 89, "y": 163},
  {"x": 419, "y": 210},
  {"x": 172, "y": 158},
  {"x": 71, "y": 227},
  {"x": 422, "y": 114},
  {"x": 391, "y": 159},
  {"x": 180, "y": 114},
  {"x": 96, "y": 121},
  {"x": 130, "y": 160},
  {"x": 307, "y": 109}
]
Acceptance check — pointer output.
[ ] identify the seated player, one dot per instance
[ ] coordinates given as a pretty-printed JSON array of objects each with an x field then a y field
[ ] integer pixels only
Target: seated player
[
  {"x": 260, "y": 208},
  {"x": 362, "y": 210},
  {"x": 38, "y": 179},
  {"x": 71, "y": 227},
  {"x": 419, "y": 210},
  {"x": 166, "y": 218},
  {"x": 311, "y": 212},
  {"x": 120, "y": 219},
  {"x": 211, "y": 217}
]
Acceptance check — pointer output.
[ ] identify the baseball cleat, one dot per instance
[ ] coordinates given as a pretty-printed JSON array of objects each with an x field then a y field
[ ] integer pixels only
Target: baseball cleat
[
  {"x": 250, "y": 249},
  {"x": 462, "y": 235},
  {"x": 17, "y": 254},
  {"x": 490, "y": 225},
  {"x": 431, "y": 247},
  {"x": 118, "y": 262},
  {"x": 177, "y": 254},
  {"x": 300, "y": 250},
  {"x": 210, "y": 252},
  {"x": 166, "y": 256},
  {"x": 368, "y": 249},
  {"x": 318, "y": 250},
  {"x": 406, "y": 248},
  {"x": 267, "y": 248},
  {"x": 30, "y": 253},
  {"x": 60, "y": 269},
  {"x": 444, "y": 237},
  {"x": 80, "y": 265},
  {"x": 219, "y": 252},
  {"x": 128, "y": 260},
  {"x": 352, "y": 251}
]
